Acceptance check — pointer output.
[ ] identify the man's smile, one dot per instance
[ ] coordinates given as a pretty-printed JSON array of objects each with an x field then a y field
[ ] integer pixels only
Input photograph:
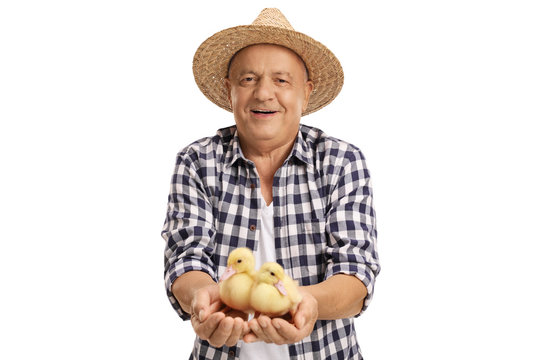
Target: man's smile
[{"x": 262, "y": 113}]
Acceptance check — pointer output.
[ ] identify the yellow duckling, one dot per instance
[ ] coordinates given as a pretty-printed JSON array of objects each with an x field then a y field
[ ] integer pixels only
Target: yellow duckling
[
  {"x": 235, "y": 284},
  {"x": 274, "y": 293}
]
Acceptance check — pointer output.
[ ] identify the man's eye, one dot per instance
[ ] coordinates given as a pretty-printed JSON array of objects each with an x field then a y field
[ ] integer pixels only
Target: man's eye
[
  {"x": 282, "y": 81},
  {"x": 248, "y": 79}
]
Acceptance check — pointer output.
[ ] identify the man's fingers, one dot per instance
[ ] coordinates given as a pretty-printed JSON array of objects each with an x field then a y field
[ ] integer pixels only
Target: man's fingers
[
  {"x": 206, "y": 301},
  {"x": 270, "y": 332},
  {"x": 208, "y": 326},
  {"x": 250, "y": 338},
  {"x": 205, "y": 329},
  {"x": 219, "y": 329},
  {"x": 307, "y": 312},
  {"x": 222, "y": 332},
  {"x": 215, "y": 307},
  {"x": 289, "y": 331},
  {"x": 236, "y": 332},
  {"x": 200, "y": 302},
  {"x": 300, "y": 319},
  {"x": 257, "y": 331},
  {"x": 245, "y": 328}
]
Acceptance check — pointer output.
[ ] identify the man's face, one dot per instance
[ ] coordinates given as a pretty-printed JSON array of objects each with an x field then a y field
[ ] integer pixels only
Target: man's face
[{"x": 268, "y": 90}]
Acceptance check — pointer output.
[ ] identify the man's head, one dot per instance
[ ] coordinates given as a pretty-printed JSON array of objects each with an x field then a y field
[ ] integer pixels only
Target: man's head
[
  {"x": 268, "y": 90},
  {"x": 212, "y": 59}
]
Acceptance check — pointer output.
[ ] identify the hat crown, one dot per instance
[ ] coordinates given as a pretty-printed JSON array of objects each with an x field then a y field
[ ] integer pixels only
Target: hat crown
[{"x": 272, "y": 17}]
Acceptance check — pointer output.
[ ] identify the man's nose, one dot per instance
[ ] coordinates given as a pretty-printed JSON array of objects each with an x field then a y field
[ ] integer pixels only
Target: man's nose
[{"x": 264, "y": 90}]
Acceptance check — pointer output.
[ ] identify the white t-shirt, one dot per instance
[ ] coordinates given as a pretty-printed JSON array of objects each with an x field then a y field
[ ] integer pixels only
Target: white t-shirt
[{"x": 266, "y": 251}]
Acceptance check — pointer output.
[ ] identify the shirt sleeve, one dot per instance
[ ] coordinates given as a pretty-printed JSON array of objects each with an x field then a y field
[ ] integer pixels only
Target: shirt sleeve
[
  {"x": 350, "y": 224},
  {"x": 189, "y": 229}
]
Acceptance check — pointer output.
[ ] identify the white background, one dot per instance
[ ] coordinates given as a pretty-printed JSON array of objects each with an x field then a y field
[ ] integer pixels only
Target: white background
[{"x": 97, "y": 97}]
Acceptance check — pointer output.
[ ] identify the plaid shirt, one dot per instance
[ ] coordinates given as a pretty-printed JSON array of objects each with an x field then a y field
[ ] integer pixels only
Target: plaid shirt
[{"x": 323, "y": 218}]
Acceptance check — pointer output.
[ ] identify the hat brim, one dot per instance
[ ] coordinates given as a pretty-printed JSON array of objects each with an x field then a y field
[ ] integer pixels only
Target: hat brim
[{"x": 211, "y": 61}]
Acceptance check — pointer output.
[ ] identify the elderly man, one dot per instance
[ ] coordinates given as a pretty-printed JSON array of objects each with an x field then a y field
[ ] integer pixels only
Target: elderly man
[{"x": 287, "y": 191}]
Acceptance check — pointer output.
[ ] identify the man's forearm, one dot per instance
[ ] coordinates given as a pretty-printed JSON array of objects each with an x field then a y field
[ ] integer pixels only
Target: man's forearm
[
  {"x": 187, "y": 284},
  {"x": 339, "y": 297}
]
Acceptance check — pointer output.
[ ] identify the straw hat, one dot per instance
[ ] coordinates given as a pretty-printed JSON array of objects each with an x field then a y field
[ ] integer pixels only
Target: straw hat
[{"x": 211, "y": 60}]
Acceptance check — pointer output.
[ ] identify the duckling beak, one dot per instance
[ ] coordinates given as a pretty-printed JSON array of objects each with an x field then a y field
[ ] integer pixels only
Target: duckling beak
[
  {"x": 279, "y": 285},
  {"x": 227, "y": 274}
]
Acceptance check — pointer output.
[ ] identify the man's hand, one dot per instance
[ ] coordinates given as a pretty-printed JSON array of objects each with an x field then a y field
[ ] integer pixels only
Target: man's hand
[
  {"x": 213, "y": 322},
  {"x": 280, "y": 331},
  {"x": 198, "y": 295}
]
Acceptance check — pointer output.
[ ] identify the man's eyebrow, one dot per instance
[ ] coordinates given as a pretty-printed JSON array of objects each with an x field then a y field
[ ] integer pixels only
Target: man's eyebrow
[
  {"x": 286, "y": 73},
  {"x": 244, "y": 72}
]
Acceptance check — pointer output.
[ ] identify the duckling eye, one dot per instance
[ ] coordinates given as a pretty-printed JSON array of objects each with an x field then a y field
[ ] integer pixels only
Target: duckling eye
[
  {"x": 272, "y": 273},
  {"x": 239, "y": 261}
]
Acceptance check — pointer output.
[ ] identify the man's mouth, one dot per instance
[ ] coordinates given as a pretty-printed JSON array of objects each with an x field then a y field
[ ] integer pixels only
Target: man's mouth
[{"x": 267, "y": 112}]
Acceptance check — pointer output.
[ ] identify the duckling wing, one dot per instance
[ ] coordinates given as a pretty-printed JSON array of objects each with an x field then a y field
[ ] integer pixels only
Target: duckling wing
[
  {"x": 235, "y": 291},
  {"x": 266, "y": 299}
]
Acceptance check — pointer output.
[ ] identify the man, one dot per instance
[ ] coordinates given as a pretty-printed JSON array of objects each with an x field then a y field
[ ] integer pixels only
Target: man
[{"x": 287, "y": 191}]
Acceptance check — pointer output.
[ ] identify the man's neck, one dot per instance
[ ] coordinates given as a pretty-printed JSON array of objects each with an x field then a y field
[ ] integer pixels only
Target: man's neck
[{"x": 270, "y": 154}]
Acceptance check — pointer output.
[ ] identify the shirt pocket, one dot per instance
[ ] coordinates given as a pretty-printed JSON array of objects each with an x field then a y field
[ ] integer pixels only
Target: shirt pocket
[
  {"x": 314, "y": 231},
  {"x": 312, "y": 251}
]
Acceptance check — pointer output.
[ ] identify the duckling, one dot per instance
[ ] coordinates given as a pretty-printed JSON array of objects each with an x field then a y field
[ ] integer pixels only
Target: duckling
[
  {"x": 235, "y": 284},
  {"x": 274, "y": 293}
]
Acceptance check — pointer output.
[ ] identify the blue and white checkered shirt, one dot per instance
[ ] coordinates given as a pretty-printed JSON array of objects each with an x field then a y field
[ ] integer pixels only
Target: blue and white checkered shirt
[{"x": 323, "y": 217}]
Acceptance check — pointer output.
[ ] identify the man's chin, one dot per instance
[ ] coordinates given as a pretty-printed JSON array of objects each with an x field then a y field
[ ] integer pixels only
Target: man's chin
[{"x": 263, "y": 132}]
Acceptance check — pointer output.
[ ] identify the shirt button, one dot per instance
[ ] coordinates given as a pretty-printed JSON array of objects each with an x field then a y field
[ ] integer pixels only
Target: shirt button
[
  {"x": 231, "y": 353},
  {"x": 252, "y": 186},
  {"x": 252, "y": 227}
]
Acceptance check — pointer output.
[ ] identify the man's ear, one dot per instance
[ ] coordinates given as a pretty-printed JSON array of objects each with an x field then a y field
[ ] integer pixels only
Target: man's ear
[
  {"x": 227, "y": 84},
  {"x": 308, "y": 88}
]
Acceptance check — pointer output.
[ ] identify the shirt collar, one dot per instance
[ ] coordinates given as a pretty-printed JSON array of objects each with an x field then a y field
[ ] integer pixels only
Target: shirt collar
[
  {"x": 300, "y": 150},
  {"x": 234, "y": 152}
]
